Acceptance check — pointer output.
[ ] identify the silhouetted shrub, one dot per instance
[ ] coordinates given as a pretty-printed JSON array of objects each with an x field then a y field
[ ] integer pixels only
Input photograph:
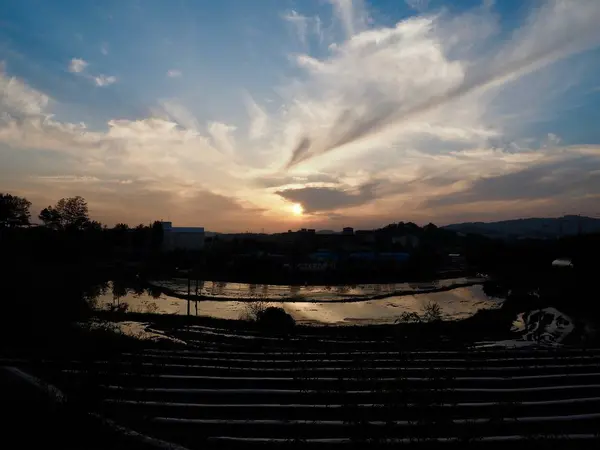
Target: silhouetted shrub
[
  {"x": 274, "y": 318},
  {"x": 253, "y": 310},
  {"x": 432, "y": 313}
]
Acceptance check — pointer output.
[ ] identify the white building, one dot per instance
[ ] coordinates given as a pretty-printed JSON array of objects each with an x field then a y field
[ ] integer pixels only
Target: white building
[{"x": 185, "y": 238}]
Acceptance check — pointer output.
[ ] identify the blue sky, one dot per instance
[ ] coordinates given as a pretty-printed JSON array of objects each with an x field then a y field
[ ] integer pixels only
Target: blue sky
[{"x": 227, "y": 114}]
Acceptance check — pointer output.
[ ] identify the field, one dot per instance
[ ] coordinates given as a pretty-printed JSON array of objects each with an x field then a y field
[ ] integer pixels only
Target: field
[{"x": 241, "y": 387}]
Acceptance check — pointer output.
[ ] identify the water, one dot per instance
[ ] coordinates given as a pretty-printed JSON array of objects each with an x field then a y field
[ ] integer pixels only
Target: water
[
  {"x": 455, "y": 304},
  {"x": 547, "y": 327},
  {"x": 225, "y": 290}
]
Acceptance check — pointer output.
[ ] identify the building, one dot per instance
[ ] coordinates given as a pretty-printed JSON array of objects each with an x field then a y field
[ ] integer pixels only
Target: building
[
  {"x": 348, "y": 231},
  {"x": 183, "y": 238},
  {"x": 407, "y": 241},
  {"x": 365, "y": 236},
  {"x": 326, "y": 232}
]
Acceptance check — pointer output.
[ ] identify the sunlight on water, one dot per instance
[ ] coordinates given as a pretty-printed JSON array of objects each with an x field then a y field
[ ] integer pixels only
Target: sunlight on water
[
  {"x": 457, "y": 303},
  {"x": 219, "y": 289}
]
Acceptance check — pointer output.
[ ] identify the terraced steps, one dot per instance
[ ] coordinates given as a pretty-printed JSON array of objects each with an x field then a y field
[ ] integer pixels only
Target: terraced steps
[{"x": 319, "y": 391}]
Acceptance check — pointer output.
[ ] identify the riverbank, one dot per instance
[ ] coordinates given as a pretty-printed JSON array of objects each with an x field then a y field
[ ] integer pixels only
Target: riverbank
[{"x": 485, "y": 325}]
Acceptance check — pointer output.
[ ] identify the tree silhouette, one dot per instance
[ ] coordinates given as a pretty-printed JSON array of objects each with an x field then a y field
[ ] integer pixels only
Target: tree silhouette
[
  {"x": 93, "y": 225},
  {"x": 14, "y": 211},
  {"x": 157, "y": 235},
  {"x": 68, "y": 214}
]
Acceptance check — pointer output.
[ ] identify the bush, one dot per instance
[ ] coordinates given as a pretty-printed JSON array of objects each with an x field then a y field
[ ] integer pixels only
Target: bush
[
  {"x": 253, "y": 309},
  {"x": 432, "y": 313},
  {"x": 275, "y": 318}
]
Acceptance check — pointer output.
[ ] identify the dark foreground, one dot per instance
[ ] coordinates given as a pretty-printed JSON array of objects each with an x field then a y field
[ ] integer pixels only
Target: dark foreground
[{"x": 240, "y": 389}]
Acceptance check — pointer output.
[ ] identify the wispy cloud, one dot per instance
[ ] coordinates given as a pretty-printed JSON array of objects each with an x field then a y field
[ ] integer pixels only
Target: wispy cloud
[
  {"x": 305, "y": 27},
  {"x": 258, "y": 126},
  {"x": 352, "y": 14},
  {"x": 104, "y": 80},
  {"x": 300, "y": 24},
  {"x": 426, "y": 120},
  {"x": 417, "y": 5},
  {"x": 180, "y": 114},
  {"x": 365, "y": 96},
  {"x": 104, "y": 48},
  {"x": 77, "y": 65},
  {"x": 221, "y": 134}
]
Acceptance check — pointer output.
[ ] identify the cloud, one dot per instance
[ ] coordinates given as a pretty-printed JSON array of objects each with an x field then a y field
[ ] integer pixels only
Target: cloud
[
  {"x": 382, "y": 79},
  {"x": 258, "y": 119},
  {"x": 139, "y": 200},
  {"x": 568, "y": 175},
  {"x": 174, "y": 73},
  {"x": 18, "y": 99},
  {"x": 67, "y": 178},
  {"x": 104, "y": 48},
  {"x": 305, "y": 26},
  {"x": 417, "y": 5},
  {"x": 352, "y": 14},
  {"x": 281, "y": 181},
  {"x": 319, "y": 199},
  {"x": 152, "y": 147},
  {"x": 300, "y": 24},
  {"x": 176, "y": 111},
  {"x": 221, "y": 134},
  {"x": 435, "y": 116},
  {"x": 77, "y": 65},
  {"x": 104, "y": 80}
]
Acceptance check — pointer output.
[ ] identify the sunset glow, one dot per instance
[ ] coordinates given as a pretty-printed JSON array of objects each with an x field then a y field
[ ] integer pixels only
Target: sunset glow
[
  {"x": 339, "y": 113},
  {"x": 297, "y": 209}
]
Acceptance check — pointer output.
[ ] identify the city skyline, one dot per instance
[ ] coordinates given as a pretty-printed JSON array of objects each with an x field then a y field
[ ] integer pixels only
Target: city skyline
[{"x": 282, "y": 115}]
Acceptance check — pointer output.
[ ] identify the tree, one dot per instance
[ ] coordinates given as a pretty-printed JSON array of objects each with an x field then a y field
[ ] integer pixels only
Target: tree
[
  {"x": 121, "y": 234},
  {"x": 93, "y": 225},
  {"x": 69, "y": 213},
  {"x": 14, "y": 211},
  {"x": 157, "y": 235},
  {"x": 51, "y": 218}
]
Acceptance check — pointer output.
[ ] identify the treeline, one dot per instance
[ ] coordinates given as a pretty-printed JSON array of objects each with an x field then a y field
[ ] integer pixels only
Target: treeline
[
  {"x": 52, "y": 270},
  {"x": 66, "y": 232}
]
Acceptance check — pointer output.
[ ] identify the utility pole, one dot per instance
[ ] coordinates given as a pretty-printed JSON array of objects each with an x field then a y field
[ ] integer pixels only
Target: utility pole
[
  {"x": 188, "y": 296},
  {"x": 196, "y": 298}
]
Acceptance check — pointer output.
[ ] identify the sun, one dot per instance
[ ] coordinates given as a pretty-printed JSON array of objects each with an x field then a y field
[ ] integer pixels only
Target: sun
[{"x": 297, "y": 209}]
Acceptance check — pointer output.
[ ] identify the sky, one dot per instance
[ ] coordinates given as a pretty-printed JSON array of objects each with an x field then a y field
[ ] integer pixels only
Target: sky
[{"x": 269, "y": 115}]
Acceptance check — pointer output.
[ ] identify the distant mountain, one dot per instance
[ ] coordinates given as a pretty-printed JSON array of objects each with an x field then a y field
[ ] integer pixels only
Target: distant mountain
[{"x": 542, "y": 228}]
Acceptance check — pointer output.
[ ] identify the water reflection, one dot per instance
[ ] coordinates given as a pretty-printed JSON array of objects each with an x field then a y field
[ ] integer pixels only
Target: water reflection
[
  {"x": 546, "y": 326},
  {"x": 455, "y": 304},
  {"x": 313, "y": 292},
  {"x": 138, "y": 330}
]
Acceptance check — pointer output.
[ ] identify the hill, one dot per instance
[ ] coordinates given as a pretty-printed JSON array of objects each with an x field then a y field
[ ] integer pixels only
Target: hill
[{"x": 543, "y": 228}]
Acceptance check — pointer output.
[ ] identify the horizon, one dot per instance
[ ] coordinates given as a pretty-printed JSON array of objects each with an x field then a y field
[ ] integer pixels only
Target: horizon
[
  {"x": 288, "y": 115},
  {"x": 421, "y": 225}
]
